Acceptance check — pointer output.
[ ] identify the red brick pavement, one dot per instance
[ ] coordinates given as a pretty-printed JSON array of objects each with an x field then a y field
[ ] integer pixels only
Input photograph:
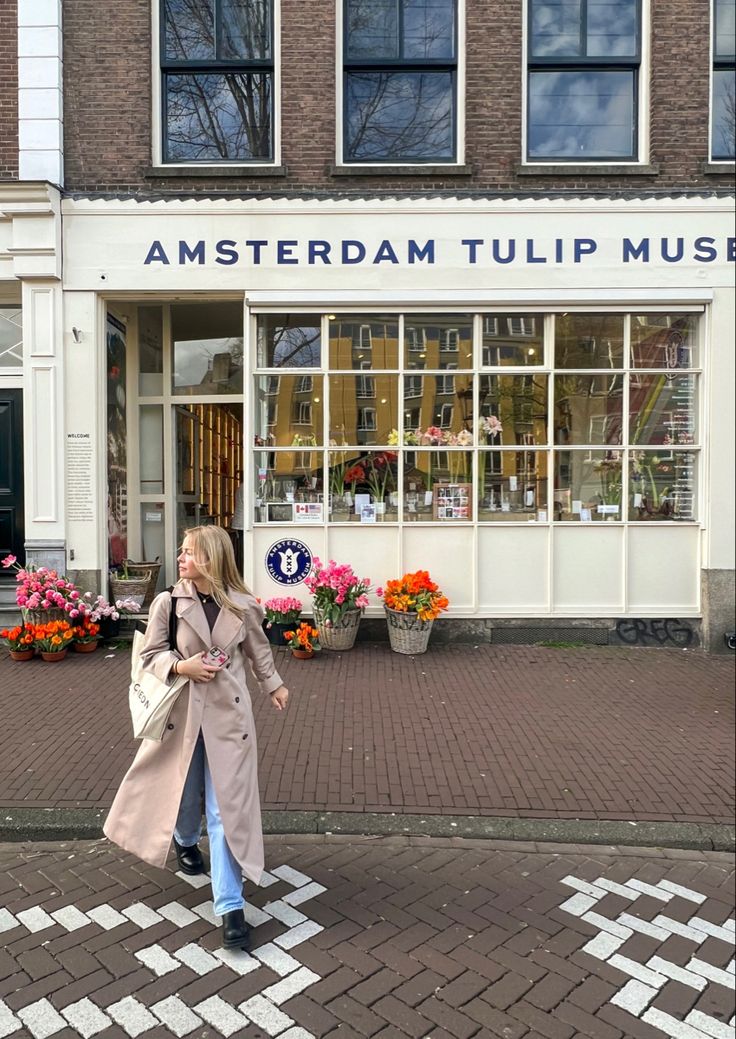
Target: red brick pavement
[
  {"x": 518, "y": 731},
  {"x": 412, "y": 937}
]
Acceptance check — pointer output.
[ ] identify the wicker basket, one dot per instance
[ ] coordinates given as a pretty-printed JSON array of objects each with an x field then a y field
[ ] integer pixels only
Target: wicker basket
[
  {"x": 42, "y": 616},
  {"x": 406, "y": 633},
  {"x": 140, "y": 570},
  {"x": 340, "y": 634},
  {"x": 133, "y": 588}
]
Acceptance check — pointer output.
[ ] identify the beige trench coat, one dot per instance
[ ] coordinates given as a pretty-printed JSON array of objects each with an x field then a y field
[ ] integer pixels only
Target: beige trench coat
[{"x": 143, "y": 814}]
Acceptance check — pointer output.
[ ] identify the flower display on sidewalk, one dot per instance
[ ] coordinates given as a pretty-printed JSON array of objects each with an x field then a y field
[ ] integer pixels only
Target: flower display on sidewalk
[
  {"x": 18, "y": 639},
  {"x": 414, "y": 593},
  {"x": 52, "y": 637},
  {"x": 336, "y": 589},
  {"x": 41, "y": 588},
  {"x": 87, "y": 631},
  {"x": 305, "y": 638},
  {"x": 282, "y": 610}
]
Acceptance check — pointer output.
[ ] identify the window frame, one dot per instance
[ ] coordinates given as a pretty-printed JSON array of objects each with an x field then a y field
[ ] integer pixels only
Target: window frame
[
  {"x": 454, "y": 66},
  {"x": 579, "y": 63},
  {"x": 725, "y": 63},
  {"x": 161, "y": 67}
]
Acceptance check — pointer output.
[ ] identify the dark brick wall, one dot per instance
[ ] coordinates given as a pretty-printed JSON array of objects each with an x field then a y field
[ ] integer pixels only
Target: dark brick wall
[
  {"x": 108, "y": 104},
  {"x": 8, "y": 90}
]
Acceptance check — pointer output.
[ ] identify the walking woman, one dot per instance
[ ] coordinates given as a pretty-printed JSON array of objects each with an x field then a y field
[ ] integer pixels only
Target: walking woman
[{"x": 209, "y": 748}]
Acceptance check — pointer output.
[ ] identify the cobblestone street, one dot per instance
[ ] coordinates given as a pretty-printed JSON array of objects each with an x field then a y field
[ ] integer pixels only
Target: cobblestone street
[{"x": 385, "y": 937}]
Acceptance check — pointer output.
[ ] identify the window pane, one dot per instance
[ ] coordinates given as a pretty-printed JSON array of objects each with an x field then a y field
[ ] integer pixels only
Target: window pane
[
  {"x": 664, "y": 341},
  {"x": 282, "y": 478},
  {"x": 289, "y": 341},
  {"x": 438, "y": 485},
  {"x": 662, "y": 485},
  {"x": 208, "y": 348},
  {"x": 364, "y": 341},
  {"x": 289, "y": 410},
  {"x": 440, "y": 409},
  {"x": 612, "y": 28},
  {"x": 513, "y": 409},
  {"x": 580, "y": 115},
  {"x": 512, "y": 339},
  {"x": 218, "y": 116},
  {"x": 372, "y": 473},
  {"x": 400, "y": 115},
  {"x": 588, "y": 409},
  {"x": 372, "y": 29},
  {"x": 246, "y": 29},
  {"x": 357, "y": 420},
  {"x": 725, "y": 34},
  {"x": 555, "y": 28},
  {"x": 150, "y": 351},
  {"x": 429, "y": 29},
  {"x": 588, "y": 485},
  {"x": 589, "y": 340},
  {"x": 512, "y": 485},
  {"x": 436, "y": 342},
  {"x": 662, "y": 409},
  {"x": 151, "y": 418},
  {"x": 189, "y": 27},
  {"x": 724, "y": 114},
  {"x": 11, "y": 337}
]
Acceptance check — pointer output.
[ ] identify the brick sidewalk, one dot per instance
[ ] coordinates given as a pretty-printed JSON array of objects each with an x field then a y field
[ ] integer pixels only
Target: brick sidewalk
[
  {"x": 598, "y": 733},
  {"x": 389, "y": 938}
]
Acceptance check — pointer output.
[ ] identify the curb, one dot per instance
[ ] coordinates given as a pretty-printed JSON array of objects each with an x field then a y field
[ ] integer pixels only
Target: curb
[{"x": 64, "y": 824}]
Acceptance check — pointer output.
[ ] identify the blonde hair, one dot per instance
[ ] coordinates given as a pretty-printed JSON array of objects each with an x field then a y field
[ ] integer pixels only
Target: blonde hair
[{"x": 215, "y": 560}]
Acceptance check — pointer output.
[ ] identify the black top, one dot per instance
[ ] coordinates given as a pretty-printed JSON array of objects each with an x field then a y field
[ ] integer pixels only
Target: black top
[{"x": 210, "y": 607}]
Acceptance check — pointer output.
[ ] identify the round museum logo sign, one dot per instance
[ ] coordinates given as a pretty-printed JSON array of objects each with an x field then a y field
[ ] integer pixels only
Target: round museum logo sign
[{"x": 288, "y": 561}]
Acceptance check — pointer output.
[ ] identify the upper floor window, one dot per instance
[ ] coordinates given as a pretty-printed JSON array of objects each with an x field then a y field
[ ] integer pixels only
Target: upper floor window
[
  {"x": 583, "y": 72},
  {"x": 400, "y": 80},
  {"x": 723, "y": 102},
  {"x": 217, "y": 80}
]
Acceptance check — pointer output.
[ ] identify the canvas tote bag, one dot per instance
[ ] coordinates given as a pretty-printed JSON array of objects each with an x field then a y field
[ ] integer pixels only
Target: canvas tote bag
[{"x": 151, "y": 700}]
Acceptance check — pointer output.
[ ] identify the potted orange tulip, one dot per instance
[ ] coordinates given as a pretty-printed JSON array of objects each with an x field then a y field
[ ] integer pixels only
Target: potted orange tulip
[
  {"x": 303, "y": 641},
  {"x": 19, "y": 641}
]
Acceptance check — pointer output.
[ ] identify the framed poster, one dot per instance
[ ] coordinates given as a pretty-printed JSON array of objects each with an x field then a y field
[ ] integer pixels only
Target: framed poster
[{"x": 452, "y": 501}]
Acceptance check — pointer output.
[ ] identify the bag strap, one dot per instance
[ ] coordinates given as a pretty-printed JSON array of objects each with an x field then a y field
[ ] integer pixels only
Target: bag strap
[{"x": 173, "y": 619}]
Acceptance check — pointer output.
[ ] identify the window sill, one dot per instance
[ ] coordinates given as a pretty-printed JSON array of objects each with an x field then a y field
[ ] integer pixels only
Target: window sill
[
  {"x": 402, "y": 171},
  {"x": 727, "y": 169},
  {"x": 585, "y": 169},
  {"x": 216, "y": 171}
]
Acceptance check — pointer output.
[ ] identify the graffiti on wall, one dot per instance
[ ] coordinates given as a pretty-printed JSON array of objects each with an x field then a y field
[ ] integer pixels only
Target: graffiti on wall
[{"x": 653, "y": 632}]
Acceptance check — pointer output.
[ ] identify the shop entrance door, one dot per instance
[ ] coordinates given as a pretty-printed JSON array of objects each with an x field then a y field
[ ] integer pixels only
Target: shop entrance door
[{"x": 11, "y": 473}]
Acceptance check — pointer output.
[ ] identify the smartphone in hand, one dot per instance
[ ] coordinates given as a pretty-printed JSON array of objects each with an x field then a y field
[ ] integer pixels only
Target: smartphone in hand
[{"x": 216, "y": 656}]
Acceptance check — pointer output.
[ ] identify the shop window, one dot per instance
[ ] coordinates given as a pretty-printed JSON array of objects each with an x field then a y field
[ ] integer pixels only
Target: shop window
[
  {"x": 364, "y": 341},
  {"x": 723, "y": 100},
  {"x": 217, "y": 75},
  {"x": 582, "y": 85},
  {"x": 589, "y": 341},
  {"x": 400, "y": 81},
  {"x": 512, "y": 485},
  {"x": 445, "y": 385},
  {"x": 285, "y": 419},
  {"x": 439, "y": 334},
  {"x": 588, "y": 409},
  {"x": 662, "y": 485},
  {"x": 11, "y": 337},
  {"x": 664, "y": 341},
  {"x": 208, "y": 348},
  {"x": 289, "y": 341}
]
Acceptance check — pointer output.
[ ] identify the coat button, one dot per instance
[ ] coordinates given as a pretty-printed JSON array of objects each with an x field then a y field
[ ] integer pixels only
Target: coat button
[
  {"x": 237, "y": 699},
  {"x": 246, "y": 736},
  {"x": 169, "y": 726}
]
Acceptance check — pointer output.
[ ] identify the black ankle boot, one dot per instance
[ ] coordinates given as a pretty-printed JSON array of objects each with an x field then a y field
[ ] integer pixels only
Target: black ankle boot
[
  {"x": 190, "y": 859},
  {"x": 235, "y": 932}
]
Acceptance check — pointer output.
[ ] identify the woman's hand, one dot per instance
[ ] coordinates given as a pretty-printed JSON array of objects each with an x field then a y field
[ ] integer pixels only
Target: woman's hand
[
  {"x": 197, "y": 668},
  {"x": 280, "y": 697}
]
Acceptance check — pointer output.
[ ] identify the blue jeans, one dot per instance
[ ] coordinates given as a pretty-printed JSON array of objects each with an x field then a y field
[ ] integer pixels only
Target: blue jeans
[{"x": 226, "y": 874}]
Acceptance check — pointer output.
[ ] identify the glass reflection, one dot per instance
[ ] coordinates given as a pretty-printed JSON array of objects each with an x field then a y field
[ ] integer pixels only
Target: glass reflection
[
  {"x": 589, "y": 340},
  {"x": 289, "y": 341},
  {"x": 150, "y": 351},
  {"x": 725, "y": 29},
  {"x": 555, "y": 28},
  {"x": 612, "y": 28},
  {"x": 208, "y": 348},
  {"x": 723, "y": 115},
  {"x": 399, "y": 116},
  {"x": 364, "y": 341},
  {"x": 372, "y": 29},
  {"x": 664, "y": 341},
  {"x": 439, "y": 409},
  {"x": 289, "y": 410},
  {"x": 363, "y": 411},
  {"x": 189, "y": 29},
  {"x": 246, "y": 29},
  {"x": 581, "y": 114},
  {"x": 588, "y": 409},
  {"x": 512, "y": 339},
  {"x": 286, "y": 480},
  {"x": 588, "y": 486},
  {"x": 359, "y": 478},
  {"x": 513, "y": 409},
  {"x": 438, "y": 485},
  {"x": 429, "y": 29},
  {"x": 438, "y": 341},
  {"x": 662, "y": 485},
  {"x": 11, "y": 336},
  {"x": 512, "y": 485},
  {"x": 662, "y": 409},
  {"x": 218, "y": 116}
]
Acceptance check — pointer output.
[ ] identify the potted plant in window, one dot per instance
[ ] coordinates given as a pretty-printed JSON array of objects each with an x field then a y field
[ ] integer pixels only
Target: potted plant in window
[
  {"x": 412, "y": 605},
  {"x": 282, "y": 613},
  {"x": 339, "y": 600}
]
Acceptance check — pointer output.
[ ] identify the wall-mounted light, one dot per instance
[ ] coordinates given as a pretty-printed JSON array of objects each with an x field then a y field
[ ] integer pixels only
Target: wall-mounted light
[{"x": 77, "y": 335}]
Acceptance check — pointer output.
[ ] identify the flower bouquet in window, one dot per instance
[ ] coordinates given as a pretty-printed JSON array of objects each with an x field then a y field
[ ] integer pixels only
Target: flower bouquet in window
[
  {"x": 303, "y": 641},
  {"x": 412, "y": 605},
  {"x": 339, "y": 600},
  {"x": 19, "y": 641},
  {"x": 282, "y": 613}
]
